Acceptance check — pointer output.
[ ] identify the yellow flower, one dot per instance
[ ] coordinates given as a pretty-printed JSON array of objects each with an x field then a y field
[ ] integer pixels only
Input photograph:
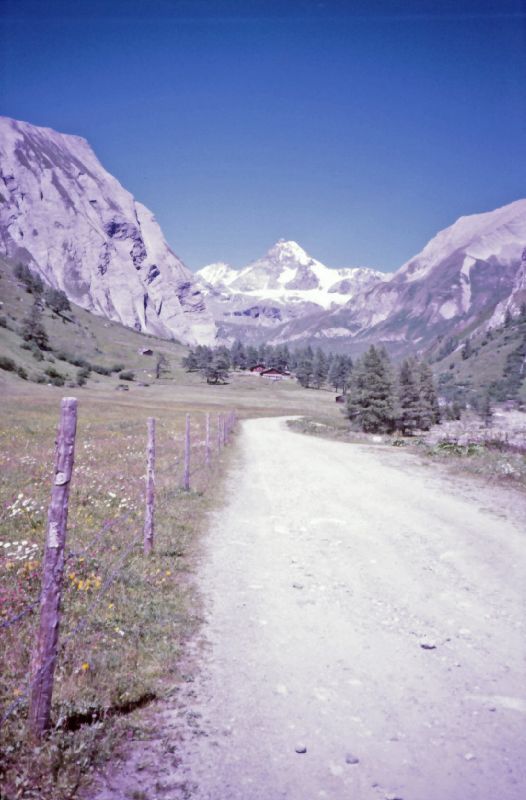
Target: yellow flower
[
  {"x": 85, "y": 666},
  {"x": 168, "y": 572}
]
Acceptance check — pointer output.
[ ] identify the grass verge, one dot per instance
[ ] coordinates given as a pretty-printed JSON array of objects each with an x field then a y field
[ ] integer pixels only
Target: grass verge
[
  {"x": 125, "y": 617},
  {"x": 492, "y": 460}
]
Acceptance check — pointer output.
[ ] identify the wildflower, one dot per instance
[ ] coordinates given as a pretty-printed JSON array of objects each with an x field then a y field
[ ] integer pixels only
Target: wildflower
[{"x": 85, "y": 666}]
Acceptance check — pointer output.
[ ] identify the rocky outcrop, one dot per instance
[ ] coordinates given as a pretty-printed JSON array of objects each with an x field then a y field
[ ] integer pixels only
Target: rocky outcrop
[{"x": 73, "y": 222}]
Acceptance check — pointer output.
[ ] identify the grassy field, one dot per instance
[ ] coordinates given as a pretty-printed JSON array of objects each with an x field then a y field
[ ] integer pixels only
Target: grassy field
[{"x": 122, "y": 640}]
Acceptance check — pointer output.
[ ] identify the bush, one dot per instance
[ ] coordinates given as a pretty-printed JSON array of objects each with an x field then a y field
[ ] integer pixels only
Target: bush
[
  {"x": 55, "y": 377},
  {"x": 56, "y": 300},
  {"x": 101, "y": 370},
  {"x": 20, "y": 371},
  {"x": 83, "y": 375},
  {"x": 35, "y": 352},
  {"x": 31, "y": 280},
  {"x": 7, "y": 363},
  {"x": 127, "y": 375},
  {"x": 3, "y": 322},
  {"x": 117, "y": 368}
]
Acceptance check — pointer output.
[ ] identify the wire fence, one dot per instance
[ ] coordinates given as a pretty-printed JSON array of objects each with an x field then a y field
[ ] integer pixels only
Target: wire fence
[{"x": 76, "y": 581}]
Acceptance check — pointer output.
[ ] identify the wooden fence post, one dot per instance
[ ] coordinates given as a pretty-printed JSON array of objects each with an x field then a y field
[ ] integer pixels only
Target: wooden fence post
[
  {"x": 187, "y": 443},
  {"x": 150, "y": 488},
  {"x": 207, "y": 440},
  {"x": 45, "y": 650}
]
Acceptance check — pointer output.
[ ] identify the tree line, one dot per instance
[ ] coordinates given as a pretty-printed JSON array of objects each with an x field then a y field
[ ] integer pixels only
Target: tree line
[
  {"x": 312, "y": 368},
  {"x": 380, "y": 398}
]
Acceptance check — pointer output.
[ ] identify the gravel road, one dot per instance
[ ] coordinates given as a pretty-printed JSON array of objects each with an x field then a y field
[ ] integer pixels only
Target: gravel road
[{"x": 366, "y": 609}]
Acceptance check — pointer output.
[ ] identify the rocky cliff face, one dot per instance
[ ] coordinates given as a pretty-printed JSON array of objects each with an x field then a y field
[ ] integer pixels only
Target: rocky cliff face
[{"x": 71, "y": 221}]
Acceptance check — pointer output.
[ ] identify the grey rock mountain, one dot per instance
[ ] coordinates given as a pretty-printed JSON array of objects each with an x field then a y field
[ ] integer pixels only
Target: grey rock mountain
[
  {"x": 71, "y": 221},
  {"x": 465, "y": 277}
]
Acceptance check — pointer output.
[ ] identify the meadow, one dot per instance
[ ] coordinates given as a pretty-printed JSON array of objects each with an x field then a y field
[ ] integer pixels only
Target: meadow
[{"x": 125, "y": 617}]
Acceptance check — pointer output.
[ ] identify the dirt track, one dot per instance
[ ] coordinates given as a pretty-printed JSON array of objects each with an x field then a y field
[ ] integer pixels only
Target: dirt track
[{"x": 365, "y": 607}]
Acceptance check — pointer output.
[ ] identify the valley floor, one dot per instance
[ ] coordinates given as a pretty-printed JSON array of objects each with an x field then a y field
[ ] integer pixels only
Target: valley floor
[{"x": 359, "y": 605}]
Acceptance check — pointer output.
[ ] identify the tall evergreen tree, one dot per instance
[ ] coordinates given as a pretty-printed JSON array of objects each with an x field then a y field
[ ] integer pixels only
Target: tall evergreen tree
[
  {"x": 238, "y": 356},
  {"x": 319, "y": 368},
  {"x": 304, "y": 368},
  {"x": 409, "y": 402},
  {"x": 340, "y": 372},
  {"x": 429, "y": 408},
  {"x": 371, "y": 400},
  {"x": 252, "y": 356}
]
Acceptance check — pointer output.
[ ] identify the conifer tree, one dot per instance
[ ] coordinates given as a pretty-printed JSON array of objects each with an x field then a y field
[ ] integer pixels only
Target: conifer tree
[
  {"x": 339, "y": 372},
  {"x": 238, "y": 356},
  {"x": 252, "y": 356},
  {"x": 371, "y": 400},
  {"x": 304, "y": 368},
  {"x": 409, "y": 400},
  {"x": 429, "y": 408},
  {"x": 319, "y": 368}
]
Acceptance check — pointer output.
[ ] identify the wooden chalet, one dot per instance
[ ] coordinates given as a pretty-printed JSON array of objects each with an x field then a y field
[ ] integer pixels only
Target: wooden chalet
[{"x": 274, "y": 374}]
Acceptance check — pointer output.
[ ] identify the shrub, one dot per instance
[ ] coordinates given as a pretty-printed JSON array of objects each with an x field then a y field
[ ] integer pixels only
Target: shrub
[
  {"x": 7, "y": 363},
  {"x": 56, "y": 300},
  {"x": 31, "y": 280},
  {"x": 35, "y": 351},
  {"x": 55, "y": 377},
  {"x": 117, "y": 368},
  {"x": 101, "y": 370},
  {"x": 127, "y": 375},
  {"x": 83, "y": 375},
  {"x": 20, "y": 371},
  {"x": 3, "y": 322}
]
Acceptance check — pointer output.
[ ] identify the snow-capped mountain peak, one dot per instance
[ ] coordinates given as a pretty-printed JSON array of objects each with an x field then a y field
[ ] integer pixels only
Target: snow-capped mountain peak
[
  {"x": 287, "y": 251},
  {"x": 218, "y": 274}
]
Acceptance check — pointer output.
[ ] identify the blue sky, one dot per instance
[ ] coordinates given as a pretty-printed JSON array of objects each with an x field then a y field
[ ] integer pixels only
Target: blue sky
[{"x": 359, "y": 129}]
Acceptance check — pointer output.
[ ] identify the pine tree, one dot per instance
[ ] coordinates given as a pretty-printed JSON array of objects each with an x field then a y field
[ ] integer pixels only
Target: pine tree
[
  {"x": 252, "y": 357},
  {"x": 304, "y": 368},
  {"x": 371, "y": 401},
  {"x": 238, "y": 356},
  {"x": 333, "y": 376},
  {"x": 319, "y": 368},
  {"x": 409, "y": 403},
  {"x": 429, "y": 408}
]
